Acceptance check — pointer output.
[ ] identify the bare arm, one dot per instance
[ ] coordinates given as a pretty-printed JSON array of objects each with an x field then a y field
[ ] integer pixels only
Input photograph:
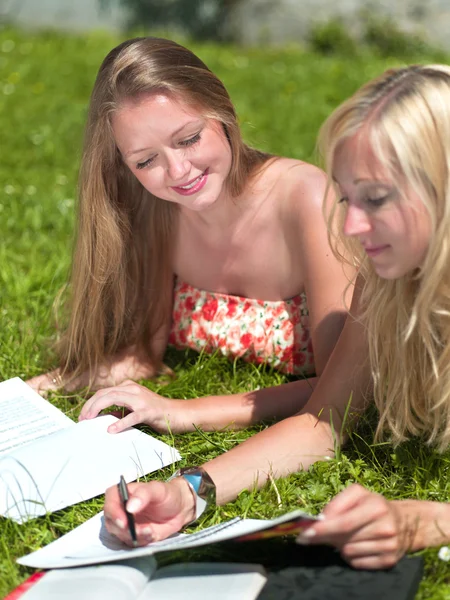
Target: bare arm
[
  {"x": 241, "y": 410},
  {"x": 324, "y": 276},
  {"x": 284, "y": 448},
  {"x": 128, "y": 364},
  {"x": 301, "y": 440},
  {"x": 209, "y": 413}
]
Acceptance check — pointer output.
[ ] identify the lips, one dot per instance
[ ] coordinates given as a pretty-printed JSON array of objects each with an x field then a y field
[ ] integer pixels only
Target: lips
[
  {"x": 193, "y": 186},
  {"x": 375, "y": 250}
]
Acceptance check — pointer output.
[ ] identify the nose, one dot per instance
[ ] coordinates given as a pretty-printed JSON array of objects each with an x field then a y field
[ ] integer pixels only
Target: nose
[
  {"x": 177, "y": 166},
  {"x": 356, "y": 221}
]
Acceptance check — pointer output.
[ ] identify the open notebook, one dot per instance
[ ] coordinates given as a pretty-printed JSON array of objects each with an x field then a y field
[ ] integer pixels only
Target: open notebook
[{"x": 48, "y": 462}]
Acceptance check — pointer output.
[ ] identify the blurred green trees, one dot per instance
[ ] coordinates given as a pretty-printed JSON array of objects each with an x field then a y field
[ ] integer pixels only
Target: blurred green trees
[{"x": 200, "y": 19}]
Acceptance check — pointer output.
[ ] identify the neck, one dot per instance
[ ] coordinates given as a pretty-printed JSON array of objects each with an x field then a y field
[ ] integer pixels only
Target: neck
[{"x": 225, "y": 212}]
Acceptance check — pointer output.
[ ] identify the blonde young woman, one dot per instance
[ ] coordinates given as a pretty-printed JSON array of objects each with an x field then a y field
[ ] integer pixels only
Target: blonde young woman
[
  {"x": 188, "y": 235},
  {"x": 387, "y": 151}
]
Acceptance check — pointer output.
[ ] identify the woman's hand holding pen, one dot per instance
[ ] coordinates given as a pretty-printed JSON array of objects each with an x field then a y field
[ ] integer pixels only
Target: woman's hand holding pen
[
  {"x": 161, "y": 414},
  {"x": 159, "y": 509}
]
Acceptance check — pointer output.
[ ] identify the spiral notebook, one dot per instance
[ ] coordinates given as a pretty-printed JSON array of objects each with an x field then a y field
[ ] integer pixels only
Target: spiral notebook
[{"x": 91, "y": 543}]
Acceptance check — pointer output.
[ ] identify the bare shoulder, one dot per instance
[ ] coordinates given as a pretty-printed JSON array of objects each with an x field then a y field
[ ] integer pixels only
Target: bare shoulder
[
  {"x": 301, "y": 188},
  {"x": 306, "y": 182}
]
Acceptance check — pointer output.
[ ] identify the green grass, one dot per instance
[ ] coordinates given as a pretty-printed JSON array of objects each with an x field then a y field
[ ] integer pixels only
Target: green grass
[{"x": 282, "y": 96}]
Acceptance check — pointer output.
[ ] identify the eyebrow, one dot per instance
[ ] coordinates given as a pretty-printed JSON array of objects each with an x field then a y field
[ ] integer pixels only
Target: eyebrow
[
  {"x": 363, "y": 180},
  {"x": 176, "y": 132}
]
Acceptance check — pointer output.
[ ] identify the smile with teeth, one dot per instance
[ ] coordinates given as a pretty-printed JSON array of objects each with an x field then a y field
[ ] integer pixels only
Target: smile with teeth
[
  {"x": 190, "y": 185},
  {"x": 194, "y": 186}
]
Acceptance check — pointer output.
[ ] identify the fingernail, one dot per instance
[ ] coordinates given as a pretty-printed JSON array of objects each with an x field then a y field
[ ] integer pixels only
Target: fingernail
[
  {"x": 305, "y": 536},
  {"x": 119, "y": 523},
  {"x": 134, "y": 504},
  {"x": 112, "y": 429},
  {"x": 301, "y": 541},
  {"x": 147, "y": 531}
]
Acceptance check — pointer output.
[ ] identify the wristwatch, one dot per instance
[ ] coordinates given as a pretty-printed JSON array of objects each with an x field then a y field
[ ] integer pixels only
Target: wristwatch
[{"x": 202, "y": 487}]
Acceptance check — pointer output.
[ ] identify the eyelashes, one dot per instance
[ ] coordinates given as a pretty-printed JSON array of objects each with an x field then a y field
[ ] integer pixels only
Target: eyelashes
[
  {"x": 370, "y": 202},
  {"x": 191, "y": 141},
  {"x": 144, "y": 164},
  {"x": 376, "y": 202},
  {"x": 184, "y": 144}
]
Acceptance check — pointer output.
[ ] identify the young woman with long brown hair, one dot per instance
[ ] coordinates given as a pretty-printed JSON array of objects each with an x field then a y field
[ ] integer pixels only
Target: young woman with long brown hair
[{"x": 188, "y": 235}]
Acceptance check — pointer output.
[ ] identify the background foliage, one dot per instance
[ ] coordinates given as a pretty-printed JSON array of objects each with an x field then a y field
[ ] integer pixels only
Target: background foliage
[
  {"x": 282, "y": 96},
  {"x": 201, "y": 19}
]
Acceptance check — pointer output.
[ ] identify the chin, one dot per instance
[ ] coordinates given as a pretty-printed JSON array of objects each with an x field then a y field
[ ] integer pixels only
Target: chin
[
  {"x": 202, "y": 204},
  {"x": 391, "y": 273}
]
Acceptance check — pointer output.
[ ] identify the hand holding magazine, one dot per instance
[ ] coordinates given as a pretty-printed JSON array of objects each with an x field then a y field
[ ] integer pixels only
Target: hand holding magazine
[
  {"x": 91, "y": 543},
  {"x": 318, "y": 572}
]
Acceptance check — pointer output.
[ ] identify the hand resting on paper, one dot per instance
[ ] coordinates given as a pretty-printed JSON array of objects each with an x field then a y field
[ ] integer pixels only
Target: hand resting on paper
[
  {"x": 160, "y": 509},
  {"x": 145, "y": 406}
]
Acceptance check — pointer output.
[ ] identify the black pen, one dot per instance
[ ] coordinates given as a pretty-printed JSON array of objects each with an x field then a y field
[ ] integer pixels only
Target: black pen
[{"x": 123, "y": 492}]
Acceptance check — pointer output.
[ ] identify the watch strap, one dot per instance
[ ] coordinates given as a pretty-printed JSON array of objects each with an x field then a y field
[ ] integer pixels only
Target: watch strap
[{"x": 202, "y": 487}]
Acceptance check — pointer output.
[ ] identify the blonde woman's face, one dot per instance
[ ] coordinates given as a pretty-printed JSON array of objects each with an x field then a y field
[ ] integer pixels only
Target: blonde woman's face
[
  {"x": 388, "y": 218},
  {"x": 174, "y": 152}
]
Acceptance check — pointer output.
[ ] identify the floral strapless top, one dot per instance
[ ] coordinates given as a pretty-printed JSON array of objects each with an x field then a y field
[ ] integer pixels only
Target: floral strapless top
[{"x": 258, "y": 331}]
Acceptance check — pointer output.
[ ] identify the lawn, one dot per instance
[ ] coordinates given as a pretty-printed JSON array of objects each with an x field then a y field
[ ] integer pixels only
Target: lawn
[{"x": 282, "y": 96}]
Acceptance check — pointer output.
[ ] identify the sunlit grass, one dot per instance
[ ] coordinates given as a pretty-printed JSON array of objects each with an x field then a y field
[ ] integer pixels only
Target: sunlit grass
[{"x": 282, "y": 96}]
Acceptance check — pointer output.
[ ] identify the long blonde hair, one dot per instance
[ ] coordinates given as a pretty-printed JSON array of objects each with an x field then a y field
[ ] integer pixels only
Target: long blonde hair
[
  {"x": 404, "y": 115},
  {"x": 122, "y": 277}
]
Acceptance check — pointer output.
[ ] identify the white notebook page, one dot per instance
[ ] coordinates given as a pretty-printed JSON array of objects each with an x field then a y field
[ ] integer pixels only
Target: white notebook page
[{"x": 25, "y": 416}]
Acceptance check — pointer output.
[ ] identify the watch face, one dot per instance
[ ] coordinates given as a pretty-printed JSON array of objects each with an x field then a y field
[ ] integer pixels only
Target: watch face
[
  {"x": 199, "y": 478},
  {"x": 202, "y": 487},
  {"x": 195, "y": 479}
]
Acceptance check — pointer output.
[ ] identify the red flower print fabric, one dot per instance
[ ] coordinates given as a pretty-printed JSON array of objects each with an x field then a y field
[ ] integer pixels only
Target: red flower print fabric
[{"x": 257, "y": 331}]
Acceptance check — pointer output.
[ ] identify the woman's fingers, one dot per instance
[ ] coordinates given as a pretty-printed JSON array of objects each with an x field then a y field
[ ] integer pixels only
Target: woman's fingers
[
  {"x": 144, "y": 405},
  {"x": 144, "y": 534},
  {"x": 141, "y": 497},
  {"x": 346, "y": 500},
  {"x": 159, "y": 510},
  {"x": 339, "y": 526},
  {"x": 109, "y": 397},
  {"x": 355, "y": 514},
  {"x": 371, "y": 547},
  {"x": 360, "y": 523},
  {"x": 42, "y": 384},
  {"x": 133, "y": 418},
  {"x": 363, "y": 525},
  {"x": 377, "y": 561}
]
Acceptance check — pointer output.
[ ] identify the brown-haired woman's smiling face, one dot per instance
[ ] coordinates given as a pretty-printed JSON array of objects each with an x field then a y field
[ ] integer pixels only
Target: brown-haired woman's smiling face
[{"x": 173, "y": 150}]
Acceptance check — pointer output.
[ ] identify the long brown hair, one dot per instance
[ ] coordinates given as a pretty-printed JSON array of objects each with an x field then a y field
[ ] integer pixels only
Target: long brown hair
[{"x": 121, "y": 283}]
